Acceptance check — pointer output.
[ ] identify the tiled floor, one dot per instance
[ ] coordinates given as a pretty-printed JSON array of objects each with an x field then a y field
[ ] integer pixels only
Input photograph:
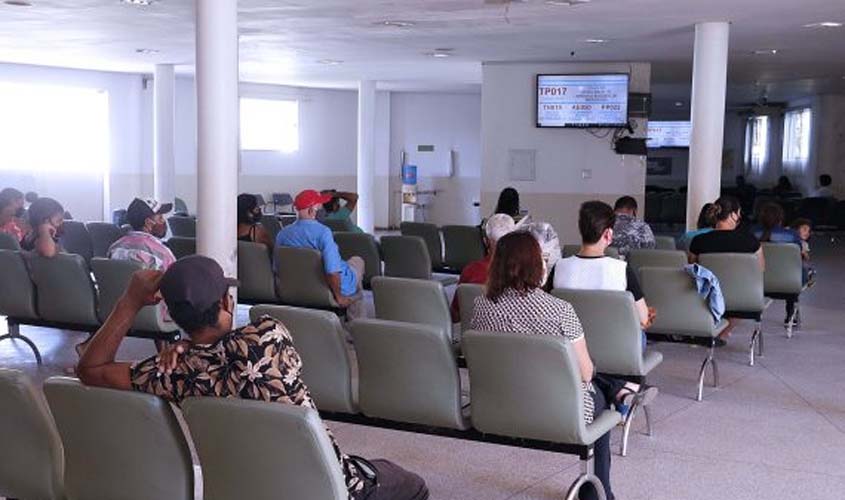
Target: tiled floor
[{"x": 773, "y": 431}]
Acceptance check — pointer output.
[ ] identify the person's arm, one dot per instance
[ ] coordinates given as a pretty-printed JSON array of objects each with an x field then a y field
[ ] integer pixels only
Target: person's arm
[
  {"x": 45, "y": 245},
  {"x": 585, "y": 364},
  {"x": 350, "y": 198},
  {"x": 761, "y": 259},
  {"x": 332, "y": 265},
  {"x": 263, "y": 236},
  {"x": 334, "y": 284},
  {"x": 97, "y": 366}
]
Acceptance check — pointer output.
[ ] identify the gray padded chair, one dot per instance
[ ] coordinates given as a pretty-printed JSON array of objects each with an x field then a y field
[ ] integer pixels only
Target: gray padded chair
[
  {"x": 321, "y": 342},
  {"x": 179, "y": 206},
  {"x": 681, "y": 311},
  {"x": 363, "y": 245},
  {"x": 119, "y": 444},
  {"x": 303, "y": 459},
  {"x": 529, "y": 386},
  {"x": 430, "y": 234},
  {"x": 742, "y": 285},
  {"x": 407, "y": 373},
  {"x": 467, "y": 293},
  {"x": 181, "y": 246},
  {"x": 32, "y": 454},
  {"x": 65, "y": 292},
  {"x": 76, "y": 239},
  {"x": 782, "y": 279},
  {"x": 272, "y": 225},
  {"x": 112, "y": 277},
  {"x": 664, "y": 243},
  {"x": 408, "y": 257},
  {"x": 8, "y": 242},
  {"x": 103, "y": 234},
  {"x": 463, "y": 244},
  {"x": 422, "y": 302},
  {"x": 301, "y": 279},
  {"x": 643, "y": 257},
  {"x": 17, "y": 297},
  {"x": 337, "y": 225},
  {"x": 255, "y": 273},
  {"x": 183, "y": 226},
  {"x": 614, "y": 336}
]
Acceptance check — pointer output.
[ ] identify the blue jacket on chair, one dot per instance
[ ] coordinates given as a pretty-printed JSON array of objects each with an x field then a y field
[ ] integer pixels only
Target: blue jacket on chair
[{"x": 708, "y": 288}]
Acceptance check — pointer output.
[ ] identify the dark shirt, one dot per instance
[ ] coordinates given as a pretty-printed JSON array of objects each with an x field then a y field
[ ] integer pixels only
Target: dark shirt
[{"x": 737, "y": 241}]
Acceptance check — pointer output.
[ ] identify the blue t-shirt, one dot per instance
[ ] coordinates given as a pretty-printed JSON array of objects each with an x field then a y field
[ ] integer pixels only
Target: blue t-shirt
[
  {"x": 687, "y": 238},
  {"x": 778, "y": 235},
  {"x": 306, "y": 233}
]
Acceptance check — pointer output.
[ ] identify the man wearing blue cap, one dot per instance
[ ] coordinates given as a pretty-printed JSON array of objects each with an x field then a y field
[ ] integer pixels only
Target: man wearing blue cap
[{"x": 258, "y": 361}]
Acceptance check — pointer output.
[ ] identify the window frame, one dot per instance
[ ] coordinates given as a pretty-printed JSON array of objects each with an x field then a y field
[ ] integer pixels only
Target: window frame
[{"x": 279, "y": 146}]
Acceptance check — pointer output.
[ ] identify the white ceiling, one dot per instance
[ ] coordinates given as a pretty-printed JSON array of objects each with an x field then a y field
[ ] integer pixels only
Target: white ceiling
[{"x": 282, "y": 40}]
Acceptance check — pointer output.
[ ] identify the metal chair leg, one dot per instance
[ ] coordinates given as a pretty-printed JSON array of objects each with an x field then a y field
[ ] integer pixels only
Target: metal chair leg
[
  {"x": 709, "y": 360},
  {"x": 648, "y": 428},
  {"x": 587, "y": 476},
  {"x": 15, "y": 334},
  {"x": 752, "y": 347},
  {"x": 715, "y": 367},
  {"x": 626, "y": 429},
  {"x": 759, "y": 328}
]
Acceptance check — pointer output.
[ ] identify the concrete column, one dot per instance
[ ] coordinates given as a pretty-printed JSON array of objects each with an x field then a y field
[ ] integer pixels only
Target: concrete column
[
  {"x": 709, "y": 85},
  {"x": 366, "y": 154},
  {"x": 164, "y": 118},
  {"x": 217, "y": 130}
]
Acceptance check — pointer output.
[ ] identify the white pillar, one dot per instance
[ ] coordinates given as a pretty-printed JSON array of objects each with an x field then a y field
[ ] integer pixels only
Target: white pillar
[
  {"x": 366, "y": 154},
  {"x": 709, "y": 85},
  {"x": 217, "y": 130},
  {"x": 164, "y": 117}
]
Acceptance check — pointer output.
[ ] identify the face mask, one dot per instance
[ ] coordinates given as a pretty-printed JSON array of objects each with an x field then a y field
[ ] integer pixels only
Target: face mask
[
  {"x": 159, "y": 230},
  {"x": 20, "y": 213},
  {"x": 60, "y": 231}
]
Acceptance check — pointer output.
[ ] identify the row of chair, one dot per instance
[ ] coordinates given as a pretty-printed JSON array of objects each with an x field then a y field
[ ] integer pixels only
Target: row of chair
[
  {"x": 88, "y": 240},
  {"x": 451, "y": 247},
  {"x": 59, "y": 292}
]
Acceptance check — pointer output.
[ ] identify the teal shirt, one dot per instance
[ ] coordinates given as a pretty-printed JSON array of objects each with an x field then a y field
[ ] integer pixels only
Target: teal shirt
[{"x": 344, "y": 213}]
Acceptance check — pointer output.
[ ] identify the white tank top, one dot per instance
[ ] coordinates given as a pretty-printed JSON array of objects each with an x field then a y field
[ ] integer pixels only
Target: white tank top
[{"x": 604, "y": 273}]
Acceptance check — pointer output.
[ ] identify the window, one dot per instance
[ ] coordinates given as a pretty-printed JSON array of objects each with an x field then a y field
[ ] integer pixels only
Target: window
[
  {"x": 757, "y": 144},
  {"x": 796, "y": 139},
  {"x": 51, "y": 128},
  {"x": 269, "y": 125}
]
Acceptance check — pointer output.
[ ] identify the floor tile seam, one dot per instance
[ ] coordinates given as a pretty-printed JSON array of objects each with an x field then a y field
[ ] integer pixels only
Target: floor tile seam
[{"x": 746, "y": 462}]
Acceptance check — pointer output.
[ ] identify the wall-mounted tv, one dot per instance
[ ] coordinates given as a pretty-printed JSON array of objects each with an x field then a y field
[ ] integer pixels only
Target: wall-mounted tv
[
  {"x": 668, "y": 134},
  {"x": 582, "y": 100}
]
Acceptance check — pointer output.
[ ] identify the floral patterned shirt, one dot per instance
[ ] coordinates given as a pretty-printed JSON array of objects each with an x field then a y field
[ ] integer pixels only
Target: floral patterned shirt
[
  {"x": 256, "y": 362},
  {"x": 630, "y": 233}
]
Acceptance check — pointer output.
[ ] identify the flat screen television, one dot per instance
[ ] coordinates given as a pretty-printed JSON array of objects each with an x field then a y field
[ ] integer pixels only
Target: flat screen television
[
  {"x": 586, "y": 101},
  {"x": 668, "y": 134}
]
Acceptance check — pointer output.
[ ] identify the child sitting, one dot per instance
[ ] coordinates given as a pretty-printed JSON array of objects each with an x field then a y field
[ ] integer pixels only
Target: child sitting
[{"x": 804, "y": 229}]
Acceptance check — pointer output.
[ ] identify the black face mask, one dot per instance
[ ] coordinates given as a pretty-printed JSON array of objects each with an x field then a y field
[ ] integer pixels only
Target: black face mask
[
  {"x": 20, "y": 213},
  {"x": 60, "y": 231}
]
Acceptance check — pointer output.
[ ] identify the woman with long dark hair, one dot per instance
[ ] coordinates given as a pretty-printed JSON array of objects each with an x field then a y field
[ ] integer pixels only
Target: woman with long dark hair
[{"x": 249, "y": 221}]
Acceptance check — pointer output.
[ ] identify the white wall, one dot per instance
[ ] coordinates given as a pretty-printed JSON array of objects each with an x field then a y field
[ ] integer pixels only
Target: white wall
[
  {"x": 508, "y": 122},
  {"x": 450, "y": 123}
]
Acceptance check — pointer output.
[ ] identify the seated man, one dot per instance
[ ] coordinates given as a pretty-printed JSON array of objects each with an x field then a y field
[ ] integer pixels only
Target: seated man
[
  {"x": 344, "y": 277},
  {"x": 337, "y": 211},
  {"x": 495, "y": 227},
  {"x": 590, "y": 269},
  {"x": 212, "y": 362},
  {"x": 628, "y": 232}
]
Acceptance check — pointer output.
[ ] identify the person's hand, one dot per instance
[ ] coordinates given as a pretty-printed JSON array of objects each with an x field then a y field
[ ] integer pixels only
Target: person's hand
[
  {"x": 46, "y": 230},
  {"x": 169, "y": 356},
  {"x": 652, "y": 314},
  {"x": 143, "y": 288},
  {"x": 343, "y": 301}
]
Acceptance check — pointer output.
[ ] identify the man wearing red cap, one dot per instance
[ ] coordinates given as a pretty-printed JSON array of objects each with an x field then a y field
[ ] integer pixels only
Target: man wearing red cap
[{"x": 344, "y": 277}]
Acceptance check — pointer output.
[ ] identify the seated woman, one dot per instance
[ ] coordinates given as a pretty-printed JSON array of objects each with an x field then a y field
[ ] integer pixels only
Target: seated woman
[
  {"x": 46, "y": 217},
  {"x": 770, "y": 229},
  {"x": 513, "y": 302},
  {"x": 706, "y": 223},
  {"x": 249, "y": 225},
  {"x": 12, "y": 212},
  {"x": 508, "y": 204}
]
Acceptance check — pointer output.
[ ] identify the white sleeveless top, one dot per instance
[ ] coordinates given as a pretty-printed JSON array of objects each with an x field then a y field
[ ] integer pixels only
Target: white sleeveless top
[{"x": 580, "y": 273}]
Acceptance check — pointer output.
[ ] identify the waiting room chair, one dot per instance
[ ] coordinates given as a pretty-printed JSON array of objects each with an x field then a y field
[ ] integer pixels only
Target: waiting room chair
[
  {"x": 337, "y": 225},
  {"x": 118, "y": 217},
  {"x": 182, "y": 226},
  {"x": 365, "y": 246},
  {"x": 9, "y": 242},
  {"x": 645, "y": 257},
  {"x": 467, "y": 293},
  {"x": 664, "y": 243},
  {"x": 255, "y": 273},
  {"x": 407, "y": 257},
  {"x": 17, "y": 297},
  {"x": 421, "y": 302},
  {"x": 119, "y": 444},
  {"x": 282, "y": 202},
  {"x": 76, "y": 239},
  {"x": 511, "y": 372},
  {"x": 614, "y": 336},
  {"x": 820, "y": 211},
  {"x": 742, "y": 286},
  {"x": 682, "y": 311},
  {"x": 321, "y": 342},
  {"x": 180, "y": 207},
  {"x": 64, "y": 290},
  {"x": 430, "y": 234},
  {"x": 301, "y": 279},
  {"x": 272, "y": 225},
  {"x": 103, "y": 235},
  {"x": 782, "y": 279},
  {"x": 31, "y": 453},
  {"x": 112, "y": 278},
  {"x": 463, "y": 244},
  {"x": 181, "y": 246},
  {"x": 407, "y": 373},
  {"x": 298, "y": 461}
]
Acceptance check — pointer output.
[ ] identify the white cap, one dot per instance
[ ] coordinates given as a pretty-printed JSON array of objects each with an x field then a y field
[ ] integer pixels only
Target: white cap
[{"x": 499, "y": 225}]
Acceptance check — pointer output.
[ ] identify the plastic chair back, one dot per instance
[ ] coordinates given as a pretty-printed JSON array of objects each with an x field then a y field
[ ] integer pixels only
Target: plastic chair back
[
  {"x": 182, "y": 226},
  {"x": 406, "y": 257},
  {"x": 680, "y": 309},
  {"x": 272, "y": 225},
  {"x": 430, "y": 235},
  {"x": 180, "y": 207},
  {"x": 784, "y": 269},
  {"x": 301, "y": 278},
  {"x": 741, "y": 279},
  {"x": 363, "y": 245},
  {"x": 103, "y": 235},
  {"x": 65, "y": 292},
  {"x": 255, "y": 273},
  {"x": 421, "y": 302},
  {"x": 664, "y": 243},
  {"x": 463, "y": 244},
  {"x": 643, "y": 257},
  {"x": 337, "y": 225},
  {"x": 112, "y": 277},
  {"x": 17, "y": 292},
  {"x": 76, "y": 239},
  {"x": 181, "y": 246}
]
